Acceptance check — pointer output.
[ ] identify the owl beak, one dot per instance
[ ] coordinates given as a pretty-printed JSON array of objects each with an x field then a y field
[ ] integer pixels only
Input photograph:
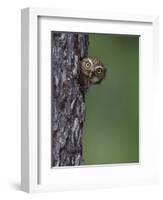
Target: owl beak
[{"x": 90, "y": 75}]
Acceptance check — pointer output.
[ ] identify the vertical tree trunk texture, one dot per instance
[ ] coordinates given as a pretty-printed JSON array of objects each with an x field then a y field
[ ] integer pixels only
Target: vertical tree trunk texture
[{"x": 68, "y": 107}]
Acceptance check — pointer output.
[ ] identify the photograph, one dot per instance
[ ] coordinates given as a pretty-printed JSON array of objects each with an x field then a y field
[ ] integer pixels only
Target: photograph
[
  {"x": 94, "y": 99},
  {"x": 89, "y": 100}
]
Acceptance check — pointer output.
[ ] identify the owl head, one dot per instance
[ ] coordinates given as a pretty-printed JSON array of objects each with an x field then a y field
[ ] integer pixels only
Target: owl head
[{"x": 92, "y": 71}]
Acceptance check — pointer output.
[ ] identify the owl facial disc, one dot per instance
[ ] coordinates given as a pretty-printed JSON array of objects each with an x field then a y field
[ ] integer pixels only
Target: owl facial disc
[{"x": 92, "y": 71}]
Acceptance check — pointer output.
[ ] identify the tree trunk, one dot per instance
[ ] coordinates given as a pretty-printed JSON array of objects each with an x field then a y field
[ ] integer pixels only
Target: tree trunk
[{"x": 68, "y": 107}]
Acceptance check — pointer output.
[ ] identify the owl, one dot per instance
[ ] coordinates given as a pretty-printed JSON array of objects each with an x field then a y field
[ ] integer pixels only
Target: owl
[{"x": 92, "y": 71}]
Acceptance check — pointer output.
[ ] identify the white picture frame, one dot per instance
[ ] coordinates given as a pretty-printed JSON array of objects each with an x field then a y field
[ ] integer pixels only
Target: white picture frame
[{"x": 36, "y": 173}]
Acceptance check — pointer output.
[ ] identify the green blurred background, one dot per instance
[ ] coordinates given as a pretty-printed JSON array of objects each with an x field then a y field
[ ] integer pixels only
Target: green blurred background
[{"x": 111, "y": 129}]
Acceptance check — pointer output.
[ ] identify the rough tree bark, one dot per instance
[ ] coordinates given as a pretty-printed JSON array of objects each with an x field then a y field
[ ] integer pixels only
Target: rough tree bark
[{"x": 68, "y": 107}]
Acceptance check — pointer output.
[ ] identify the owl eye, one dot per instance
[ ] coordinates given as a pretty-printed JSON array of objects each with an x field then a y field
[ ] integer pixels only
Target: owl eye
[
  {"x": 99, "y": 70},
  {"x": 87, "y": 65}
]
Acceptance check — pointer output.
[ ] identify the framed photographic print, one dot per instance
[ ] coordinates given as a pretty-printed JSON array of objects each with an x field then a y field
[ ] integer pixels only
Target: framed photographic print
[{"x": 88, "y": 100}]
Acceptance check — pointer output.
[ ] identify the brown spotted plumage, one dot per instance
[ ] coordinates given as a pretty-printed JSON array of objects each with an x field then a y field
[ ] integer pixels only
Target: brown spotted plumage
[{"x": 92, "y": 72}]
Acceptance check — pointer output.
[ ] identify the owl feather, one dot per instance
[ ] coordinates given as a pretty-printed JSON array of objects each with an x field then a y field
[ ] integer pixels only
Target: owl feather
[{"x": 92, "y": 71}]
